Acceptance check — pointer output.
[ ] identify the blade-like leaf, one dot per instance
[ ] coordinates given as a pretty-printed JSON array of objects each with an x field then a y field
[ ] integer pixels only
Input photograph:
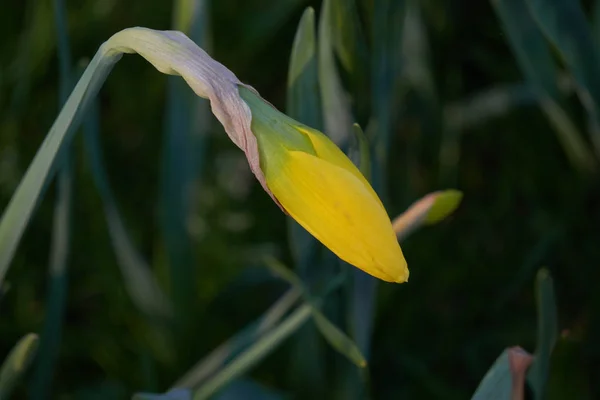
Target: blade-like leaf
[
  {"x": 28, "y": 194},
  {"x": 185, "y": 134},
  {"x": 566, "y": 25},
  {"x": 141, "y": 285},
  {"x": 256, "y": 353},
  {"x": 596, "y": 24},
  {"x": 359, "y": 151},
  {"x": 223, "y": 354},
  {"x": 350, "y": 45},
  {"x": 303, "y": 97},
  {"x": 61, "y": 231},
  {"x": 16, "y": 364},
  {"x": 536, "y": 62},
  {"x": 338, "y": 339},
  {"x": 260, "y": 27},
  {"x": 171, "y": 53},
  {"x": 547, "y": 333},
  {"x": 283, "y": 272},
  {"x": 491, "y": 103},
  {"x": 336, "y": 106},
  {"x": 416, "y": 70}
]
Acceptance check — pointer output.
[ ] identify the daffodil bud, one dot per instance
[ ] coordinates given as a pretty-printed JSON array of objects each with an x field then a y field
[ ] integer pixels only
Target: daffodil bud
[
  {"x": 304, "y": 172},
  {"x": 318, "y": 185}
]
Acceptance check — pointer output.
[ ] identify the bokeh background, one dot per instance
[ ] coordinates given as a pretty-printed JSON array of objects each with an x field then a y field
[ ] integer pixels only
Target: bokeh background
[{"x": 493, "y": 98}]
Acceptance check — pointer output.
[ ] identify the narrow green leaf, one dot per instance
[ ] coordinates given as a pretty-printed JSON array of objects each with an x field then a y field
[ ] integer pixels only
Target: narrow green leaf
[
  {"x": 262, "y": 26},
  {"x": 61, "y": 232},
  {"x": 256, "y": 353},
  {"x": 226, "y": 352},
  {"x": 171, "y": 53},
  {"x": 359, "y": 151},
  {"x": 186, "y": 131},
  {"x": 416, "y": 70},
  {"x": 141, "y": 285},
  {"x": 531, "y": 50},
  {"x": 491, "y": 103},
  {"x": 547, "y": 333},
  {"x": 40, "y": 171},
  {"x": 336, "y": 107},
  {"x": 350, "y": 46},
  {"x": 338, "y": 339},
  {"x": 303, "y": 97},
  {"x": 388, "y": 26},
  {"x": 565, "y": 25},
  {"x": 283, "y": 272},
  {"x": 596, "y": 24},
  {"x": 536, "y": 62},
  {"x": 16, "y": 364}
]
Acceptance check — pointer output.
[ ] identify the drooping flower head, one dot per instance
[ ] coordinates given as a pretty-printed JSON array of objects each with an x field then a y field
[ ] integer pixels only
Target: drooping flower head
[{"x": 318, "y": 185}]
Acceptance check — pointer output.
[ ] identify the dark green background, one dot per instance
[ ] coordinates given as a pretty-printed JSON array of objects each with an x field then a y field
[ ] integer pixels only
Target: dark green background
[{"x": 470, "y": 293}]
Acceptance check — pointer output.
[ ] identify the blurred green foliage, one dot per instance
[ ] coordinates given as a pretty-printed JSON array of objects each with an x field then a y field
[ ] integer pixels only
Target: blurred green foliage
[{"x": 447, "y": 98}]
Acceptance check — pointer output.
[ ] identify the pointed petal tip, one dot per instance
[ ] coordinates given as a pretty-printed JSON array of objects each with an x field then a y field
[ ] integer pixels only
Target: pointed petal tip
[{"x": 403, "y": 278}]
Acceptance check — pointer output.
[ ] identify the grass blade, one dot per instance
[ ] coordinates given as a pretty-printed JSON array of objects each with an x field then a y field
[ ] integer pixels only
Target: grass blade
[
  {"x": 491, "y": 103},
  {"x": 256, "y": 353},
  {"x": 303, "y": 101},
  {"x": 137, "y": 276},
  {"x": 334, "y": 336},
  {"x": 16, "y": 364},
  {"x": 61, "y": 232},
  {"x": 350, "y": 46},
  {"x": 336, "y": 106},
  {"x": 596, "y": 23},
  {"x": 535, "y": 60},
  {"x": 186, "y": 129},
  {"x": 566, "y": 25},
  {"x": 226, "y": 352},
  {"x": 40, "y": 171},
  {"x": 547, "y": 333},
  {"x": 359, "y": 151},
  {"x": 260, "y": 28},
  {"x": 338, "y": 339}
]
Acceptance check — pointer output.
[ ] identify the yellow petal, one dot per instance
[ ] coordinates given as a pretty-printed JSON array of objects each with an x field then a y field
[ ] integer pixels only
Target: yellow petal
[
  {"x": 327, "y": 150},
  {"x": 336, "y": 207}
]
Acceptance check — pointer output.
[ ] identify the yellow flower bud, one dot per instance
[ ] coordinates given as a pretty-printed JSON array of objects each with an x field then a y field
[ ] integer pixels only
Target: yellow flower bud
[{"x": 323, "y": 191}]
